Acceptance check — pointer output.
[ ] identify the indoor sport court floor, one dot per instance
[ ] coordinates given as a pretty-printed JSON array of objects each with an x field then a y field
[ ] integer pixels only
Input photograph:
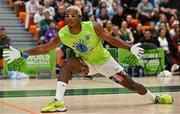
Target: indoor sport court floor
[{"x": 97, "y": 96}]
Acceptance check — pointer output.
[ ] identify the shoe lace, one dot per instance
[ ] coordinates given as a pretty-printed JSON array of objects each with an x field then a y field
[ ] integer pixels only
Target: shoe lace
[
  {"x": 160, "y": 100},
  {"x": 50, "y": 103}
]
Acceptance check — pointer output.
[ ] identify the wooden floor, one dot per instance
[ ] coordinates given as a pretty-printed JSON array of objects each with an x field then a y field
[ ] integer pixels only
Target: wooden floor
[{"x": 97, "y": 96}]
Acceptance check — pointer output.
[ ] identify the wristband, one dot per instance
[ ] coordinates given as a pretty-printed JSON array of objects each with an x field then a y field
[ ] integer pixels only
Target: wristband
[{"x": 24, "y": 55}]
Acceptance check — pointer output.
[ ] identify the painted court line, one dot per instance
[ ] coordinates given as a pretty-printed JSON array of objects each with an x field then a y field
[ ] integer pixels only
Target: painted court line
[{"x": 19, "y": 108}]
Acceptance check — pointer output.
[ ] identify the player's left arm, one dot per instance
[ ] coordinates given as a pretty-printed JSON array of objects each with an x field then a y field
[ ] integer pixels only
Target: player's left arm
[
  {"x": 135, "y": 49},
  {"x": 110, "y": 39}
]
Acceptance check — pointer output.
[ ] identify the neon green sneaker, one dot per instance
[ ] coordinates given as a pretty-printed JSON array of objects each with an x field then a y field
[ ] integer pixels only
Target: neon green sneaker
[
  {"x": 164, "y": 99},
  {"x": 54, "y": 106}
]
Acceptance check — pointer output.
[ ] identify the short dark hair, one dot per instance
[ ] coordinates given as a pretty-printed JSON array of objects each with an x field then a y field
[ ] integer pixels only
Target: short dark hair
[{"x": 2, "y": 28}]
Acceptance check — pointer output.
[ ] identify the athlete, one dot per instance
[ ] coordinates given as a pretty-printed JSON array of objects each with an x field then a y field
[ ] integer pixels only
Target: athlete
[{"x": 91, "y": 58}]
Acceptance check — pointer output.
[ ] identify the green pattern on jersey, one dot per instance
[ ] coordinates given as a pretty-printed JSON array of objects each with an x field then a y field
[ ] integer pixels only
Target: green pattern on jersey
[{"x": 85, "y": 44}]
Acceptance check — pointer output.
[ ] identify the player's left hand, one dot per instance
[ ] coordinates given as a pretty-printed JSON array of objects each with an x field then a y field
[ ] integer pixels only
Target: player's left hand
[{"x": 137, "y": 50}]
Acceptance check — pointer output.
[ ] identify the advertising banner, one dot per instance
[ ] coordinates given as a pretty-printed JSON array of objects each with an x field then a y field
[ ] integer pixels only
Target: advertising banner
[{"x": 33, "y": 64}]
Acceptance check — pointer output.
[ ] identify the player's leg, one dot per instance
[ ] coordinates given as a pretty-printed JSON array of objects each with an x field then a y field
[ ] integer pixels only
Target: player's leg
[
  {"x": 73, "y": 64},
  {"x": 118, "y": 75},
  {"x": 124, "y": 79}
]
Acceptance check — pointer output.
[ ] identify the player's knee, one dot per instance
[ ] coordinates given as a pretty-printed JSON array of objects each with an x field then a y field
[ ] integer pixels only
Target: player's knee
[
  {"x": 67, "y": 66},
  {"x": 119, "y": 77}
]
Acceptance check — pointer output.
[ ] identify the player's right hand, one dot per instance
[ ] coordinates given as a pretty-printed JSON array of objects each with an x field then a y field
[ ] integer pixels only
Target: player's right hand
[{"x": 11, "y": 54}]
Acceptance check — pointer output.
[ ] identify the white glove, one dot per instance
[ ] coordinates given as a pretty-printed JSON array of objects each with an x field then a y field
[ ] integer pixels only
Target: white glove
[
  {"x": 12, "y": 54},
  {"x": 137, "y": 50}
]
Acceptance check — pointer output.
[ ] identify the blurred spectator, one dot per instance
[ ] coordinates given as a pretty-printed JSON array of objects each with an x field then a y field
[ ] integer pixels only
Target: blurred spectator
[
  {"x": 44, "y": 24},
  {"x": 118, "y": 17},
  {"x": 5, "y": 41},
  {"x": 162, "y": 19},
  {"x": 49, "y": 8},
  {"x": 50, "y": 34},
  {"x": 164, "y": 26},
  {"x": 154, "y": 32},
  {"x": 126, "y": 34},
  {"x": 131, "y": 7},
  {"x": 103, "y": 17},
  {"x": 113, "y": 10},
  {"x": 166, "y": 43},
  {"x": 131, "y": 24},
  {"x": 171, "y": 21},
  {"x": 169, "y": 7},
  {"x": 89, "y": 6},
  {"x": 102, "y": 4},
  {"x": 115, "y": 33},
  {"x": 61, "y": 13},
  {"x": 54, "y": 5},
  {"x": 119, "y": 3},
  {"x": 37, "y": 19},
  {"x": 148, "y": 38},
  {"x": 84, "y": 10},
  {"x": 31, "y": 9},
  {"x": 146, "y": 11},
  {"x": 19, "y": 5},
  {"x": 108, "y": 27},
  {"x": 39, "y": 15},
  {"x": 138, "y": 33},
  {"x": 174, "y": 25},
  {"x": 176, "y": 44},
  {"x": 108, "y": 3}
]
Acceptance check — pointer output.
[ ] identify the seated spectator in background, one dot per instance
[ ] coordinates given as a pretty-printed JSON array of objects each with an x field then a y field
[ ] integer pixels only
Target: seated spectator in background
[
  {"x": 119, "y": 3},
  {"x": 38, "y": 16},
  {"x": 49, "y": 8},
  {"x": 31, "y": 9},
  {"x": 19, "y": 5},
  {"x": 89, "y": 6},
  {"x": 108, "y": 27},
  {"x": 44, "y": 24},
  {"x": 113, "y": 10},
  {"x": 169, "y": 7},
  {"x": 174, "y": 25},
  {"x": 131, "y": 24},
  {"x": 118, "y": 17},
  {"x": 50, "y": 34},
  {"x": 172, "y": 19},
  {"x": 176, "y": 44},
  {"x": 166, "y": 43},
  {"x": 138, "y": 33},
  {"x": 148, "y": 38},
  {"x": 59, "y": 16},
  {"x": 115, "y": 33},
  {"x": 146, "y": 11},
  {"x": 131, "y": 7},
  {"x": 162, "y": 19},
  {"x": 126, "y": 34},
  {"x": 84, "y": 9},
  {"x": 5, "y": 41},
  {"x": 152, "y": 28},
  {"x": 166, "y": 28},
  {"x": 54, "y": 5},
  {"x": 103, "y": 17},
  {"x": 108, "y": 3},
  {"x": 102, "y": 4}
]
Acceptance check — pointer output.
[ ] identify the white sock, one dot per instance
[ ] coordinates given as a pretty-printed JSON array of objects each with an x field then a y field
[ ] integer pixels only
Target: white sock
[
  {"x": 150, "y": 96},
  {"x": 60, "y": 90}
]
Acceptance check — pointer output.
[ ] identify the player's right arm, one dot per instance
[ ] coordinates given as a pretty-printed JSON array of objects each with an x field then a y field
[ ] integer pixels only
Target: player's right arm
[
  {"x": 41, "y": 49},
  {"x": 16, "y": 54}
]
